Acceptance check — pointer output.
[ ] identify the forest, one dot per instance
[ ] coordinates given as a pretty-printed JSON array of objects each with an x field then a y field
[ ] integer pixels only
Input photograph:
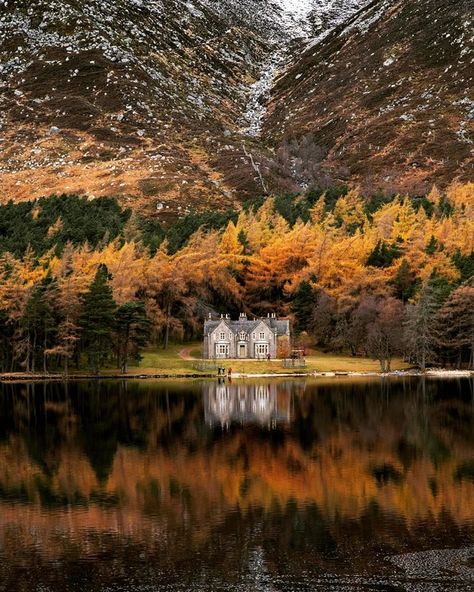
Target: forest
[{"x": 85, "y": 283}]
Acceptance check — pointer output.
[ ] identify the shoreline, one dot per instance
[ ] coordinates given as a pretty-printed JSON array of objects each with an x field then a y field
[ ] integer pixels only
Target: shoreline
[{"x": 433, "y": 373}]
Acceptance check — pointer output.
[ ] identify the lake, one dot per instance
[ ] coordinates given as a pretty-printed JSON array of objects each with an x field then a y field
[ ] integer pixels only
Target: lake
[{"x": 257, "y": 486}]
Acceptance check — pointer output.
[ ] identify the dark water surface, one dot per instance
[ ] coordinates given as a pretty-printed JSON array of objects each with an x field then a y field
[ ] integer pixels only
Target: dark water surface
[{"x": 334, "y": 484}]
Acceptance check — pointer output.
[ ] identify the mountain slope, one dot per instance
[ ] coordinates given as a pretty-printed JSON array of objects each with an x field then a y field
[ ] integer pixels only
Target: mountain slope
[
  {"x": 386, "y": 99},
  {"x": 173, "y": 105},
  {"x": 127, "y": 97}
]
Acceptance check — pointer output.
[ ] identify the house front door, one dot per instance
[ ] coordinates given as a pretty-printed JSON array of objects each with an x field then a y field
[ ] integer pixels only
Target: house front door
[{"x": 242, "y": 350}]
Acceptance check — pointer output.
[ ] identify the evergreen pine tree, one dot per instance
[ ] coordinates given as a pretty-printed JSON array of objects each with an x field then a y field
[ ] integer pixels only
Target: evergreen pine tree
[
  {"x": 404, "y": 282},
  {"x": 133, "y": 329},
  {"x": 303, "y": 305},
  {"x": 465, "y": 264},
  {"x": 432, "y": 246},
  {"x": 98, "y": 320},
  {"x": 39, "y": 323}
]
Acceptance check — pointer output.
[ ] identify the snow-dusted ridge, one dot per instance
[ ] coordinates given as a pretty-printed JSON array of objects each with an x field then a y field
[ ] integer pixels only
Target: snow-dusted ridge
[
  {"x": 310, "y": 21},
  {"x": 148, "y": 98},
  {"x": 295, "y": 16}
]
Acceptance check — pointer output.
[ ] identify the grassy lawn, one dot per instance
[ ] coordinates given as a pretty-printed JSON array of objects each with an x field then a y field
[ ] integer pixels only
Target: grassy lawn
[
  {"x": 323, "y": 362},
  {"x": 160, "y": 361},
  {"x": 156, "y": 361}
]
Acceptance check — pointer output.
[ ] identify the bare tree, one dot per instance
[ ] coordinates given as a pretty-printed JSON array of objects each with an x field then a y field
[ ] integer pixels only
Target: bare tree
[
  {"x": 357, "y": 327},
  {"x": 385, "y": 333},
  {"x": 420, "y": 336},
  {"x": 323, "y": 320},
  {"x": 455, "y": 326}
]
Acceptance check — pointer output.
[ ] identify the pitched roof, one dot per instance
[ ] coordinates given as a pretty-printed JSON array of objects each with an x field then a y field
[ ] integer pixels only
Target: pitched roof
[{"x": 281, "y": 327}]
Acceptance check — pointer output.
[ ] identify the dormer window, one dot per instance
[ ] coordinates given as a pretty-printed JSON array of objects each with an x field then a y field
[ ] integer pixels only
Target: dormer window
[
  {"x": 243, "y": 336},
  {"x": 222, "y": 336}
]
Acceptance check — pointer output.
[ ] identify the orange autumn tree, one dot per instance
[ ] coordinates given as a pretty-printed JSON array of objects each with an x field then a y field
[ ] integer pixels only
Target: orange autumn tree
[{"x": 260, "y": 261}]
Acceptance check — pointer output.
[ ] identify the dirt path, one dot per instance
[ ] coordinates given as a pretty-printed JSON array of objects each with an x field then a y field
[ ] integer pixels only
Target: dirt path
[{"x": 185, "y": 354}]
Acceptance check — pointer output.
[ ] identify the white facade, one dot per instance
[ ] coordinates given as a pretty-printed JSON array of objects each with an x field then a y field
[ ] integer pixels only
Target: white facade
[{"x": 243, "y": 339}]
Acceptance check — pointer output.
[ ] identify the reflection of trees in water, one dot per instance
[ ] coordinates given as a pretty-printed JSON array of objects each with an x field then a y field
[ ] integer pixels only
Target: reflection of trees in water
[
  {"x": 250, "y": 502},
  {"x": 246, "y": 550},
  {"x": 418, "y": 415},
  {"x": 405, "y": 444}
]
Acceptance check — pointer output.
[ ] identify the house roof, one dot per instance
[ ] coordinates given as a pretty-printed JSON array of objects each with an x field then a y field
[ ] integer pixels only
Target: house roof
[{"x": 281, "y": 327}]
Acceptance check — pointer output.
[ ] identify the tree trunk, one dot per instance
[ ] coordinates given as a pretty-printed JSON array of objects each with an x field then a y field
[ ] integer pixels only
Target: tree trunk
[
  {"x": 28, "y": 353},
  {"x": 45, "y": 369},
  {"x": 167, "y": 326},
  {"x": 33, "y": 353},
  {"x": 125, "y": 350}
]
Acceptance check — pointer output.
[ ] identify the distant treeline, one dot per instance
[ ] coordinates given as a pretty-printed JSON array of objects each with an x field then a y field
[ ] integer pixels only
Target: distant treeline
[
  {"x": 51, "y": 223},
  {"x": 87, "y": 282}
]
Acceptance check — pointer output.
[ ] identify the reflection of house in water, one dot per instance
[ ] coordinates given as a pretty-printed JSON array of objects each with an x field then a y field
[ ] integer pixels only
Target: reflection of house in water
[{"x": 264, "y": 404}]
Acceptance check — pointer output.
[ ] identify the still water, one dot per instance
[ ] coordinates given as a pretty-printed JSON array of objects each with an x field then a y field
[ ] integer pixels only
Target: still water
[{"x": 331, "y": 485}]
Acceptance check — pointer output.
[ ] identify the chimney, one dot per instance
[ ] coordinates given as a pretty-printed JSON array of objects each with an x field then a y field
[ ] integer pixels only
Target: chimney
[
  {"x": 210, "y": 316},
  {"x": 222, "y": 316}
]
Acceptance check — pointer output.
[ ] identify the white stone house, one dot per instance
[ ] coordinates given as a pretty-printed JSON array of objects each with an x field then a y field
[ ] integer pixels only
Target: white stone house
[{"x": 246, "y": 339}]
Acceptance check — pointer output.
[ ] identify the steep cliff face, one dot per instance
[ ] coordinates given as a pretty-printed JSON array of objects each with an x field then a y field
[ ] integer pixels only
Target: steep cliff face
[
  {"x": 385, "y": 100},
  {"x": 184, "y": 104}
]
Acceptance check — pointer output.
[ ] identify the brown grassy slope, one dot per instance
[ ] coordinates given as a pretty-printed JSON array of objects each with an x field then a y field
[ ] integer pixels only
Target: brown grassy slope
[
  {"x": 386, "y": 100},
  {"x": 117, "y": 98}
]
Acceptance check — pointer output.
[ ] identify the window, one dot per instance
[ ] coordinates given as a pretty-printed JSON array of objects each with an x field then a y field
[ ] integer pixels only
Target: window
[
  {"x": 222, "y": 336},
  {"x": 262, "y": 335},
  {"x": 243, "y": 336},
  {"x": 254, "y": 336},
  {"x": 261, "y": 349},
  {"x": 222, "y": 350}
]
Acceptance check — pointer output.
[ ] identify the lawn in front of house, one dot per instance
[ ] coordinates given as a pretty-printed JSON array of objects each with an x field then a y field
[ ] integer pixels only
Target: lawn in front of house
[{"x": 170, "y": 361}]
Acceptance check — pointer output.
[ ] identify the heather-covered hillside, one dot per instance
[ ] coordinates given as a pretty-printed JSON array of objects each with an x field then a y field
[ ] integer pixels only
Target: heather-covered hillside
[
  {"x": 177, "y": 106},
  {"x": 385, "y": 100}
]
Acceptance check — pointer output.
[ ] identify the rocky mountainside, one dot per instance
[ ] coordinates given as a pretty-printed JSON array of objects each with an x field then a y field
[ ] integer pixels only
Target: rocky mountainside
[
  {"x": 130, "y": 97},
  {"x": 180, "y": 104},
  {"x": 386, "y": 99}
]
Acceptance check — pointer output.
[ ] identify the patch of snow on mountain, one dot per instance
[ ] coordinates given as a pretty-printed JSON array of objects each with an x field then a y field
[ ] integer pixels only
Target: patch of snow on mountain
[
  {"x": 309, "y": 20},
  {"x": 295, "y": 15},
  {"x": 259, "y": 91},
  {"x": 366, "y": 20}
]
